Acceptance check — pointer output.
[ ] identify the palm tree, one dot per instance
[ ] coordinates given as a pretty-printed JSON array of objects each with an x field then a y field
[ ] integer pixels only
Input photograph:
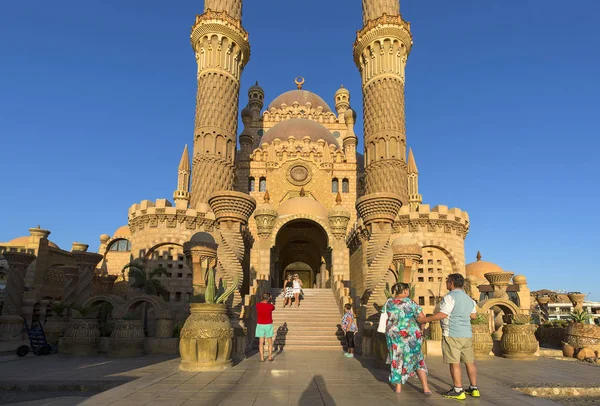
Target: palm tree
[{"x": 145, "y": 281}]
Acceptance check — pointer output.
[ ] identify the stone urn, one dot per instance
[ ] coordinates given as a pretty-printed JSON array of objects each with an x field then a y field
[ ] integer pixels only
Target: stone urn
[
  {"x": 518, "y": 341},
  {"x": 206, "y": 338},
  {"x": 126, "y": 339},
  {"x": 482, "y": 337},
  {"x": 55, "y": 328},
  {"x": 580, "y": 335},
  {"x": 577, "y": 300},
  {"x": 81, "y": 338}
]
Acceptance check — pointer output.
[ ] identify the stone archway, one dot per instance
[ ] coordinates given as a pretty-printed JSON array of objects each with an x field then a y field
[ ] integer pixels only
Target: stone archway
[
  {"x": 158, "y": 320},
  {"x": 498, "y": 308},
  {"x": 301, "y": 241}
]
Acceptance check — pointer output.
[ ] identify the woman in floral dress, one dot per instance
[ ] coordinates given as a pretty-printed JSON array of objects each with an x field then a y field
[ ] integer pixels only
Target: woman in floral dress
[{"x": 404, "y": 339}]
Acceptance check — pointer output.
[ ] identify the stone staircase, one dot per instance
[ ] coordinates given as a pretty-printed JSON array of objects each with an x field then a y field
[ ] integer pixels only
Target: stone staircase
[{"x": 313, "y": 326}]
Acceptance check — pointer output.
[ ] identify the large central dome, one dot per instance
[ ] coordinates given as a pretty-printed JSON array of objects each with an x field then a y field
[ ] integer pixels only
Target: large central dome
[
  {"x": 299, "y": 128},
  {"x": 302, "y": 97}
]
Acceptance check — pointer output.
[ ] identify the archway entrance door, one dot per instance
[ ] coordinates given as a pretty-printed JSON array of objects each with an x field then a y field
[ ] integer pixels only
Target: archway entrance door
[{"x": 301, "y": 247}]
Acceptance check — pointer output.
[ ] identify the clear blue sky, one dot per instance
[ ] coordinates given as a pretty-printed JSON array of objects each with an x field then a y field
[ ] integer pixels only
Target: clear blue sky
[{"x": 97, "y": 102}]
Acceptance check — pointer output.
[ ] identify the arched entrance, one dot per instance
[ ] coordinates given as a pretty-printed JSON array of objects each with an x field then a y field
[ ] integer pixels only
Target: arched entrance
[{"x": 301, "y": 247}]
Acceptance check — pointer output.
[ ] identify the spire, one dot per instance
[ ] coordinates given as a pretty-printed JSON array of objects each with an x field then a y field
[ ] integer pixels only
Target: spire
[
  {"x": 338, "y": 199},
  {"x": 414, "y": 198},
  {"x": 184, "y": 164},
  {"x": 266, "y": 197},
  {"x": 412, "y": 165},
  {"x": 302, "y": 192},
  {"x": 478, "y": 256},
  {"x": 182, "y": 193}
]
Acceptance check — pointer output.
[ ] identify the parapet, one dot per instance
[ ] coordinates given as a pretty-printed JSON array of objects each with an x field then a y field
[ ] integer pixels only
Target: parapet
[
  {"x": 433, "y": 220},
  {"x": 154, "y": 213}
]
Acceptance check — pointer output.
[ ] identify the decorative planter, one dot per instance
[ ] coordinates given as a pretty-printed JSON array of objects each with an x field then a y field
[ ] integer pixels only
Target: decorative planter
[
  {"x": 55, "y": 328},
  {"x": 482, "y": 340},
  {"x": 81, "y": 338},
  {"x": 206, "y": 338},
  {"x": 126, "y": 339},
  {"x": 577, "y": 300},
  {"x": 579, "y": 335},
  {"x": 518, "y": 341}
]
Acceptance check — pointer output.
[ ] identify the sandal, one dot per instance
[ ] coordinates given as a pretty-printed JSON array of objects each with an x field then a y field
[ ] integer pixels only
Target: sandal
[
  {"x": 270, "y": 359},
  {"x": 428, "y": 393}
]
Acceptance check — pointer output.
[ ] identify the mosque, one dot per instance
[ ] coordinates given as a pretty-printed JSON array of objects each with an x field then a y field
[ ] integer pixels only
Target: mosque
[{"x": 290, "y": 192}]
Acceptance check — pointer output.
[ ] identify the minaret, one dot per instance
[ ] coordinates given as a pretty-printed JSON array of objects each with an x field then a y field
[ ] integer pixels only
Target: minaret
[
  {"x": 182, "y": 194},
  {"x": 380, "y": 52},
  {"x": 414, "y": 198},
  {"x": 222, "y": 50}
]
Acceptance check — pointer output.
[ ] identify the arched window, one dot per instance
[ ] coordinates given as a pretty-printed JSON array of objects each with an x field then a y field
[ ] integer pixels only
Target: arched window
[
  {"x": 120, "y": 245},
  {"x": 262, "y": 185},
  {"x": 345, "y": 186},
  {"x": 335, "y": 185},
  {"x": 251, "y": 185}
]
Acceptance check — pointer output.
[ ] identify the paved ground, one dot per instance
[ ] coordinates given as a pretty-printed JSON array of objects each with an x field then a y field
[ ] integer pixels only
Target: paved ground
[{"x": 294, "y": 378}]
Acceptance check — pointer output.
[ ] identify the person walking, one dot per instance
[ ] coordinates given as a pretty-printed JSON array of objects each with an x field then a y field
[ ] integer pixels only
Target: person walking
[
  {"x": 404, "y": 339},
  {"x": 349, "y": 328},
  {"x": 457, "y": 310},
  {"x": 297, "y": 286},
  {"x": 264, "y": 325},
  {"x": 289, "y": 291}
]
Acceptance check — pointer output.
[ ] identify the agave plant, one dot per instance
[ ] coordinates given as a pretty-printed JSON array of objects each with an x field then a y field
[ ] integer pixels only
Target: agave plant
[
  {"x": 580, "y": 316},
  {"x": 211, "y": 289},
  {"x": 481, "y": 319},
  {"x": 58, "y": 309},
  {"x": 84, "y": 312}
]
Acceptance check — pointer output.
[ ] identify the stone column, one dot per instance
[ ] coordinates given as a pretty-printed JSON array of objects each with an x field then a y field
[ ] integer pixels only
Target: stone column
[
  {"x": 543, "y": 303},
  {"x": 70, "y": 293},
  {"x": 10, "y": 321},
  {"x": 86, "y": 262}
]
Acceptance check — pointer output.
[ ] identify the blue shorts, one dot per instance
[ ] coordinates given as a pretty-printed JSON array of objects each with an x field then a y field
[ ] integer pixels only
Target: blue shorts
[{"x": 264, "y": 330}]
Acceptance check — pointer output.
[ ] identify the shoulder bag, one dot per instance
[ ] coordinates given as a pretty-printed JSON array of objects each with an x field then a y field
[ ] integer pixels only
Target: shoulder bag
[{"x": 383, "y": 318}]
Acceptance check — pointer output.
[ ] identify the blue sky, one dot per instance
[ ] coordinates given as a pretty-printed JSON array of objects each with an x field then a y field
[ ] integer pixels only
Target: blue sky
[{"x": 97, "y": 102}]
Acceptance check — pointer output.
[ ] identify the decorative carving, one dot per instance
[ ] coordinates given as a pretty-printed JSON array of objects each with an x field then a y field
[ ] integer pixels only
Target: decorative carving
[
  {"x": 378, "y": 207},
  {"x": 299, "y": 175}
]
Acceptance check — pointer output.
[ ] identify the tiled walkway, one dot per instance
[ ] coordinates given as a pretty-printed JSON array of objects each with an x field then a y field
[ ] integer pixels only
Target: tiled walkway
[
  {"x": 328, "y": 378},
  {"x": 294, "y": 378}
]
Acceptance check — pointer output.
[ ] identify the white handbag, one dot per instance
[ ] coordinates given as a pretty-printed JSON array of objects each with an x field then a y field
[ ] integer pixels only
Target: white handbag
[{"x": 383, "y": 318}]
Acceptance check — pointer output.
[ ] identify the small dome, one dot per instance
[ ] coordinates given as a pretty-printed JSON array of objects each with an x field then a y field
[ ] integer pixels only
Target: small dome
[
  {"x": 302, "y": 97},
  {"x": 202, "y": 237},
  {"x": 302, "y": 205},
  {"x": 404, "y": 240},
  {"x": 477, "y": 270},
  {"x": 256, "y": 88},
  {"x": 21, "y": 241},
  {"x": 104, "y": 238},
  {"x": 247, "y": 112},
  {"x": 519, "y": 280},
  {"x": 299, "y": 128},
  {"x": 122, "y": 231}
]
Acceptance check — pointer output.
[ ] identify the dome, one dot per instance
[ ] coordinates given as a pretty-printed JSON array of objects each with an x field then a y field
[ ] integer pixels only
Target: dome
[
  {"x": 302, "y": 205},
  {"x": 302, "y": 97},
  {"x": 350, "y": 115},
  {"x": 20, "y": 241},
  {"x": 122, "y": 231},
  {"x": 519, "y": 280},
  {"x": 104, "y": 238},
  {"x": 202, "y": 237},
  {"x": 477, "y": 269},
  {"x": 299, "y": 128},
  {"x": 404, "y": 240}
]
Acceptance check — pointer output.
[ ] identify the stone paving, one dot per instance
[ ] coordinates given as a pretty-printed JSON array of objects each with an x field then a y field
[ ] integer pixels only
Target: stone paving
[{"x": 294, "y": 378}]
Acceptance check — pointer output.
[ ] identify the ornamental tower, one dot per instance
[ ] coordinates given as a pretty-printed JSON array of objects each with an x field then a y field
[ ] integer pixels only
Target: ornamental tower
[
  {"x": 181, "y": 196},
  {"x": 414, "y": 198},
  {"x": 222, "y": 50},
  {"x": 380, "y": 52}
]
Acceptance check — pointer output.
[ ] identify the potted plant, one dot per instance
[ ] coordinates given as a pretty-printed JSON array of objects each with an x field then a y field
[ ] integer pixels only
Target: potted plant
[
  {"x": 55, "y": 326},
  {"x": 206, "y": 337},
  {"x": 482, "y": 337},
  {"x": 580, "y": 334},
  {"x": 82, "y": 333},
  {"x": 518, "y": 338},
  {"x": 127, "y": 337}
]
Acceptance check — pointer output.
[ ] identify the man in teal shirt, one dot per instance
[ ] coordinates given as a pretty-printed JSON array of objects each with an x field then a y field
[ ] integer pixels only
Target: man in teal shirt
[{"x": 457, "y": 310}]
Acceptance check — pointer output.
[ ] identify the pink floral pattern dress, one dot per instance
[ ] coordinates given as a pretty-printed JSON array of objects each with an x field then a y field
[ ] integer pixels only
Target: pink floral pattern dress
[{"x": 404, "y": 340}]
